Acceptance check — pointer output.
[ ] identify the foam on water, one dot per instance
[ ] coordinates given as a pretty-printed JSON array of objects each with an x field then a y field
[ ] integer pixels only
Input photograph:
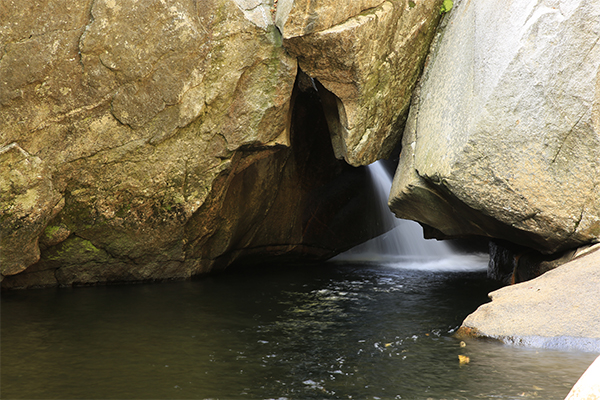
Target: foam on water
[{"x": 403, "y": 246}]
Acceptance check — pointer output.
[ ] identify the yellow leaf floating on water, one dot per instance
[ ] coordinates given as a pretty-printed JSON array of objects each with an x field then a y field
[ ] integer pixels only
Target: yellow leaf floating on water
[
  {"x": 463, "y": 359},
  {"x": 388, "y": 344}
]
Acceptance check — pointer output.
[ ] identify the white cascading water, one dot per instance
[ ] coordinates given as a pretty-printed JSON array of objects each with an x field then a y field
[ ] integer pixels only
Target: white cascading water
[{"x": 403, "y": 244}]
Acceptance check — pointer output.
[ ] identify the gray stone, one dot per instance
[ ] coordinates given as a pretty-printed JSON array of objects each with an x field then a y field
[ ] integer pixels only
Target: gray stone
[{"x": 504, "y": 136}]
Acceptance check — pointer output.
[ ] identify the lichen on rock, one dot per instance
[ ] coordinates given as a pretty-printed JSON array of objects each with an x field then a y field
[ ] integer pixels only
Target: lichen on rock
[{"x": 368, "y": 62}]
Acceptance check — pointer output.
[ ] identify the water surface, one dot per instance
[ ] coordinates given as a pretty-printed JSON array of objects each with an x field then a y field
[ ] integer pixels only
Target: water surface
[{"x": 361, "y": 331}]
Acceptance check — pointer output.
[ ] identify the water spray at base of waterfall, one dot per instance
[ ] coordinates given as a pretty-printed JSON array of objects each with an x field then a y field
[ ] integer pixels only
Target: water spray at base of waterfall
[{"x": 403, "y": 244}]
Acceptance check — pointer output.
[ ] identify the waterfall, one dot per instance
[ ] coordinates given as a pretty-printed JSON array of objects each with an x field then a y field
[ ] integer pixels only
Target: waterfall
[{"x": 403, "y": 243}]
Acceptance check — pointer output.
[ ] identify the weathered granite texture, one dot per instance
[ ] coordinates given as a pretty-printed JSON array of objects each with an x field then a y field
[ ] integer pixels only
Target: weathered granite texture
[
  {"x": 156, "y": 140},
  {"x": 367, "y": 55},
  {"x": 127, "y": 123},
  {"x": 503, "y": 139}
]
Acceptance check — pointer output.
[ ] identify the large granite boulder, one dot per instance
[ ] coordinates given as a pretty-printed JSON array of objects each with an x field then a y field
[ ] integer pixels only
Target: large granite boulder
[
  {"x": 155, "y": 140},
  {"x": 367, "y": 55},
  {"x": 503, "y": 139},
  {"x": 127, "y": 123}
]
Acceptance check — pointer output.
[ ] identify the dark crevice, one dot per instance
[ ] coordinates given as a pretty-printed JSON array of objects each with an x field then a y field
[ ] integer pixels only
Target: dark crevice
[{"x": 316, "y": 206}]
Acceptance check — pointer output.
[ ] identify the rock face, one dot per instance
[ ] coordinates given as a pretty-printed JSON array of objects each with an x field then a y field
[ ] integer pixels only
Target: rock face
[
  {"x": 367, "y": 55},
  {"x": 558, "y": 309},
  {"x": 137, "y": 151},
  {"x": 128, "y": 124},
  {"x": 503, "y": 139}
]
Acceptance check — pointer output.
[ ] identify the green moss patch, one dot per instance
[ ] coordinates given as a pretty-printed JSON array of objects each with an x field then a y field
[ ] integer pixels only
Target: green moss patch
[{"x": 76, "y": 250}]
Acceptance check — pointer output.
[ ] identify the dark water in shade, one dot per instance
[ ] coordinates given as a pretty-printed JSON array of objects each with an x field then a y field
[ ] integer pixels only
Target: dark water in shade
[{"x": 329, "y": 331}]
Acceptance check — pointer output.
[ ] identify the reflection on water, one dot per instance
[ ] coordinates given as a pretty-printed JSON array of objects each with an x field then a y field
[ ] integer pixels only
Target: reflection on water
[{"x": 329, "y": 331}]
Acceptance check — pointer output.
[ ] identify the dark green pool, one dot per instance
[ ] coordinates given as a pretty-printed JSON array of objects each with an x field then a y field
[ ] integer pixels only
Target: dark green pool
[{"x": 327, "y": 331}]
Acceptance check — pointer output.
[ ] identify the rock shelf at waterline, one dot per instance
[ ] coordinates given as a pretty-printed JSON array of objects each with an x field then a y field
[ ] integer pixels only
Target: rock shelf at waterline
[{"x": 560, "y": 309}]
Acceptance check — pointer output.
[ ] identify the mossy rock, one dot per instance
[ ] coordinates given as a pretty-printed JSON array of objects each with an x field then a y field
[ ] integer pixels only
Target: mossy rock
[{"x": 76, "y": 250}]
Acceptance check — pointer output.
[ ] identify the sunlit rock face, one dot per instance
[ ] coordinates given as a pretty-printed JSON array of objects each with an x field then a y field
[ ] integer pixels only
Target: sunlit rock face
[
  {"x": 503, "y": 139},
  {"x": 367, "y": 55},
  {"x": 128, "y": 123},
  {"x": 134, "y": 151}
]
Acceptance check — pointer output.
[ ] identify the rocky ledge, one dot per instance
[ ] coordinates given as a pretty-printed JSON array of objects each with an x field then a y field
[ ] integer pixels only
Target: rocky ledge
[{"x": 556, "y": 310}]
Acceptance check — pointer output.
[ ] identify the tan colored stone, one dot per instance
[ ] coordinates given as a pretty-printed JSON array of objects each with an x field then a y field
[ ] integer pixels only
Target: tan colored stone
[
  {"x": 368, "y": 65},
  {"x": 130, "y": 122},
  {"x": 28, "y": 201},
  {"x": 303, "y": 17},
  {"x": 558, "y": 309},
  {"x": 168, "y": 149}
]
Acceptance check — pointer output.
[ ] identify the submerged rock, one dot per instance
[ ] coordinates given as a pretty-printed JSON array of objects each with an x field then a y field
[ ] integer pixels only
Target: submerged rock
[
  {"x": 503, "y": 138},
  {"x": 559, "y": 309}
]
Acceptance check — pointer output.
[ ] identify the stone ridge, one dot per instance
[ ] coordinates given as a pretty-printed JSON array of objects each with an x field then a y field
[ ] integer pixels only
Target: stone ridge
[{"x": 558, "y": 309}]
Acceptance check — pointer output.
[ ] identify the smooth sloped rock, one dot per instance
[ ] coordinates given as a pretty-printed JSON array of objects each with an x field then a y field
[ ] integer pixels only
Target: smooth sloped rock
[
  {"x": 504, "y": 136},
  {"x": 559, "y": 309},
  {"x": 367, "y": 65}
]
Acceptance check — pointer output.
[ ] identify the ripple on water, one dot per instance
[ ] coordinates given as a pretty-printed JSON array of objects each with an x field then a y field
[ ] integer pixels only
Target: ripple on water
[{"x": 329, "y": 331}]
